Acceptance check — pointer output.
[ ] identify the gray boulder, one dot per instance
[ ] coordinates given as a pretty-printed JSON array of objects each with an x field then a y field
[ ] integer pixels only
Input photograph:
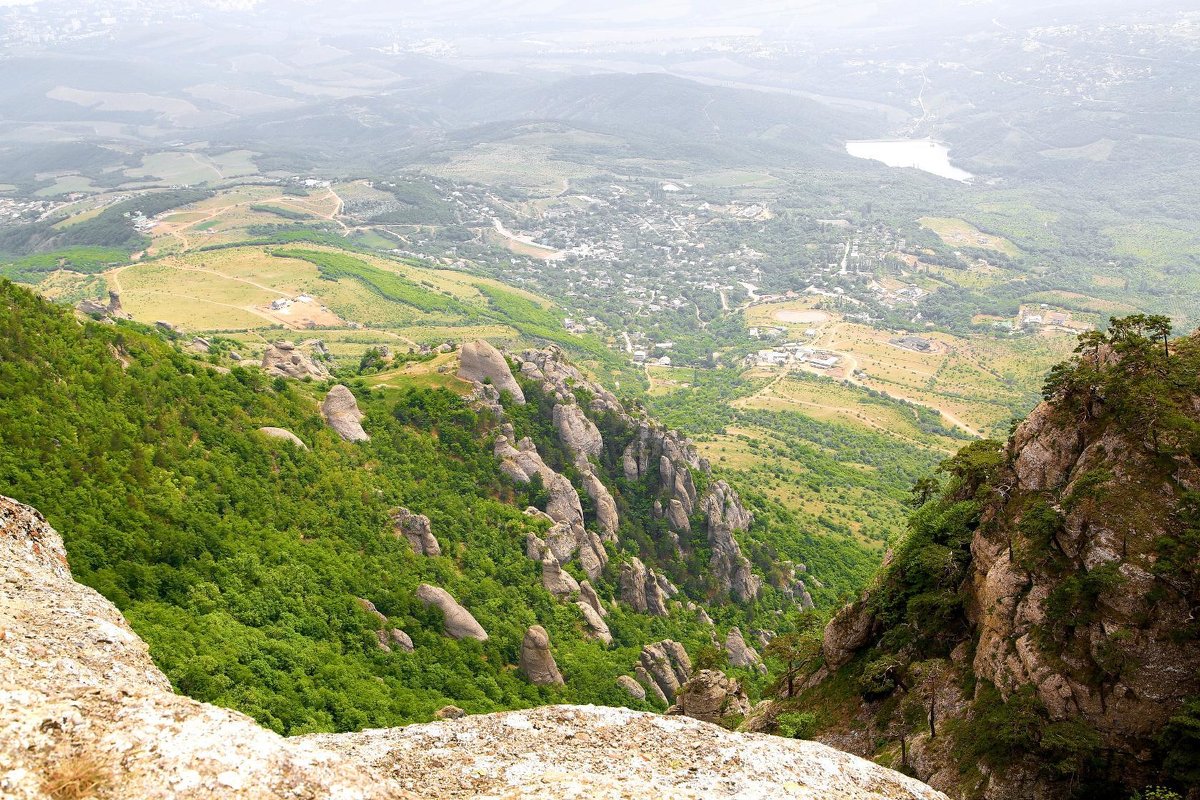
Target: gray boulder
[
  {"x": 557, "y": 581},
  {"x": 537, "y": 662},
  {"x": 597, "y": 627},
  {"x": 632, "y": 687},
  {"x": 588, "y": 595},
  {"x": 340, "y": 410},
  {"x": 458, "y": 621},
  {"x": 402, "y": 640},
  {"x": 480, "y": 362},
  {"x": 677, "y": 517},
  {"x": 284, "y": 434},
  {"x": 606, "y": 507},
  {"x": 710, "y": 696}
]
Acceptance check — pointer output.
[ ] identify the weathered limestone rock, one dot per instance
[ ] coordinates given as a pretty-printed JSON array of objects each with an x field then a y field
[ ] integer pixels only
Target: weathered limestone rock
[
  {"x": 340, "y": 410},
  {"x": 283, "y": 359},
  {"x": 402, "y": 640},
  {"x": 285, "y": 435},
  {"x": 577, "y": 433},
  {"x": 561, "y": 752},
  {"x": 588, "y": 595},
  {"x": 597, "y": 627},
  {"x": 642, "y": 590},
  {"x": 726, "y": 514},
  {"x": 849, "y": 630},
  {"x": 81, "y": 695},
  {"x": 710, "y": 696},
  {"x": 459, "y": 622},
  {"x": 479, "y": 361},
  {"x": 557, "y": 581},
  {"x": 677, "y": 518},
  {"x": 606, "y": 507},
  {"x": 106, "y": 311},
  {"x": 537, "y": 662},
  {"x": 740, "y": 653},
  {"x": 417, "y": 529},
  {"x": 632, "y": 687},
  {"x": 667, "y": 666}
]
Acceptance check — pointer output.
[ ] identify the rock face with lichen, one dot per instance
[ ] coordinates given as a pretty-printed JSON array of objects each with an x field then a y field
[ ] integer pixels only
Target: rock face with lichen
[
  {"x": 1055, "y": 576},
  {"x": 560, "y": 752}
]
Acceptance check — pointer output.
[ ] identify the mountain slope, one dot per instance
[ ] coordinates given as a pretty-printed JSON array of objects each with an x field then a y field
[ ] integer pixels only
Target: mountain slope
[
  {"x": 93, "y": 717},
  {"x": 1036, "y": 635},
  {"x": 287, "y": 581}
]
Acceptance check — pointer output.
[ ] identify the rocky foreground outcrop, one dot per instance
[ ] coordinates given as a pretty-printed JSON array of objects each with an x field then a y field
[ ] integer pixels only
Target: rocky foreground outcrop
[
  {"x": 84, "y": 710},
  {"x": 612, "y": 754},
  {"x": 81, "y": 701}
]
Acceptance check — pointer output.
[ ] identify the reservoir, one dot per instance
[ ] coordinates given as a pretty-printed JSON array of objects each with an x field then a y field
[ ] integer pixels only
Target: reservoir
[{"x": 923, "y": 154}]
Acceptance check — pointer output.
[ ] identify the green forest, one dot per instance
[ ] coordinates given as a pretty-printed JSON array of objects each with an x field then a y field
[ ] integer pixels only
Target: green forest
[{"x": 240, "y": 559}]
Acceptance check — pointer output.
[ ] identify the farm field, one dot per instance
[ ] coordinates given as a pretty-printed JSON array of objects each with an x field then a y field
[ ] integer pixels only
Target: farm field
[{"x": 960, "y": 233}]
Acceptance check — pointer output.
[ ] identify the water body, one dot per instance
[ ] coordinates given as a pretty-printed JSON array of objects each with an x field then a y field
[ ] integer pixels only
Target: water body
[{"x": 926, "y": 155}]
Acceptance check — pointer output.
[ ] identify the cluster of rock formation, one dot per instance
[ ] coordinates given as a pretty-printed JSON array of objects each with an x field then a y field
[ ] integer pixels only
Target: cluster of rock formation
[
  {"x": 284, "y": 359},
  {"x": 654, "y": 453},
  {"x": 106, "y": 311},
  {"x": 84, "y": 712},
  {"x": 417, "y": 530}
]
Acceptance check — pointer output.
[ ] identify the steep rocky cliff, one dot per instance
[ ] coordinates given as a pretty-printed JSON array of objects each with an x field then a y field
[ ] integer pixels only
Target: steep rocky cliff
[
  {"x": 84, "y": 713},
  {"x": 1037, "y": 635}
]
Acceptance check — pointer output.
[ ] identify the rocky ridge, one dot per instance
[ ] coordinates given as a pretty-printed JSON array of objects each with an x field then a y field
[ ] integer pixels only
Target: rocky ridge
[
  {"x": 613, "y": 754},
  {"x": 1079, "y": 592},
  {"x": 653, "y": 453}
]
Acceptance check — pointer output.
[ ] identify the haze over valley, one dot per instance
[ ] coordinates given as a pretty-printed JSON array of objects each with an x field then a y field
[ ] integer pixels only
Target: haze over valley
[{"x": 821, "y": 371}]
